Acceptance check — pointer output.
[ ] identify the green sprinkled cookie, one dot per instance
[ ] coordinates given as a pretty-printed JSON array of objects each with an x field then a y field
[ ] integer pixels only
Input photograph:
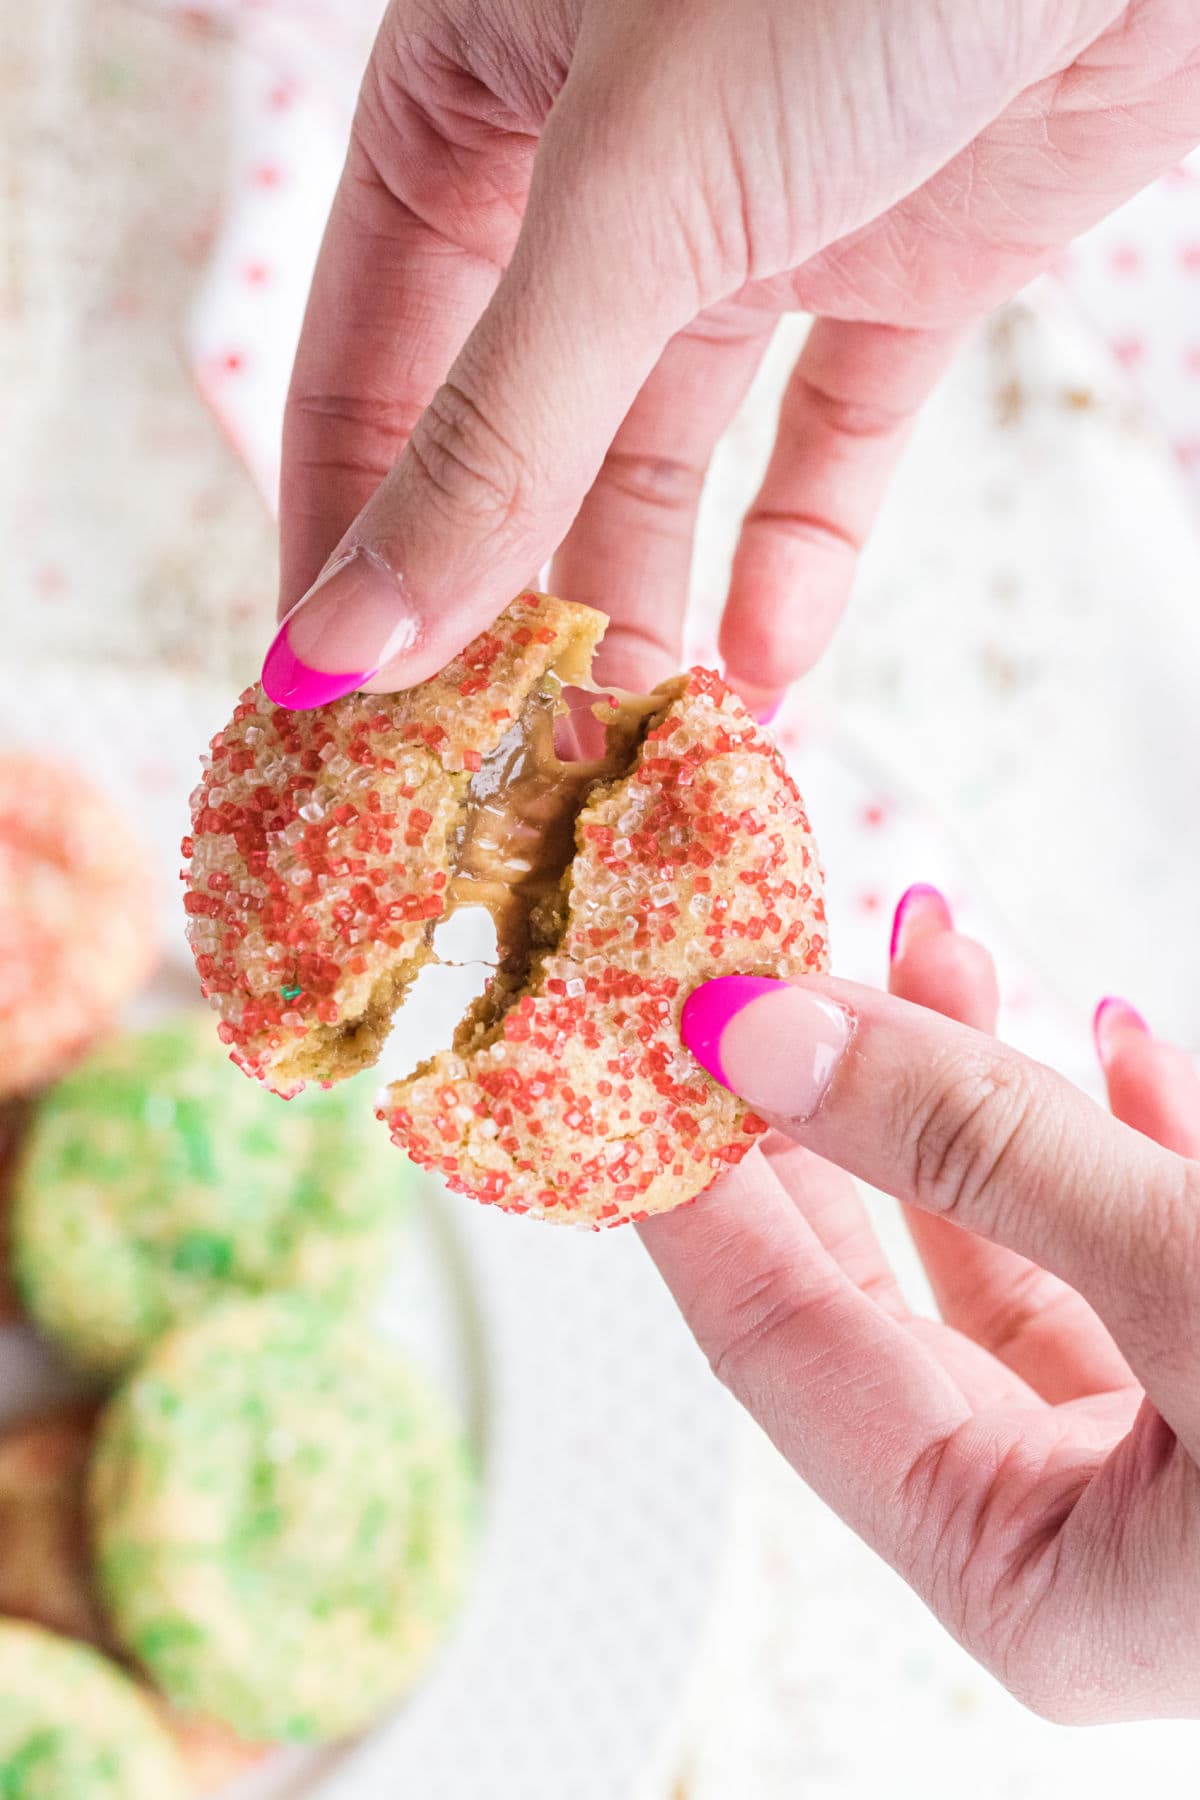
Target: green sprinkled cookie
[
  {"x": 73, "y": 1727},
  {"x": 155, "y": 1179},
  {"x": 281, "y": 1517}
]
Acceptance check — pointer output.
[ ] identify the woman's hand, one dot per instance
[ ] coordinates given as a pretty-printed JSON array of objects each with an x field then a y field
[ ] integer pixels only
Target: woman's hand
[
  {"x": 1029, "y": 1463},
  {"x": 565, "y": 231}
]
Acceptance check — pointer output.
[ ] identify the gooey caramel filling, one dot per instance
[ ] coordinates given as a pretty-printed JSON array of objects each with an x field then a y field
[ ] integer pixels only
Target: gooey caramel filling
[{"x": 517, "y": 838}]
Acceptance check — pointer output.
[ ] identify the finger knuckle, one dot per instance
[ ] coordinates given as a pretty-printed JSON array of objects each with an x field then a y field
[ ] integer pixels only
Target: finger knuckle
[
  {"x": 356, "y": 432},
  {"x": 656, "y": 484},
  {"x": 362, "y": 411},
  {"x": 810, "y": 402},
  {"x": 469, "y": 467},
  {"x": 1030, "y": 1297},
  {"x": 937, "y": 1496},
  {"x": 988, "y": 1514},
  {"x": 1159, "y": 1267},
  {"x": 759, "y": 1309},
  {"x": 969, "y": 1127},
  {"x": 806, "y": 530},
  {"x": 418, "y": 77}
]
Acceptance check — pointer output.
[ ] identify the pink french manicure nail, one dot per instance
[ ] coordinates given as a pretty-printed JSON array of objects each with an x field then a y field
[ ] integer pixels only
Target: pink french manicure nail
[
  {"x": 709, "y": 1009},
  {"x": 1112, "y": 1019},
  {"x": 350, "y": 623},
  {"x": 921, "y": 909},
  {"x": 773, "y": 1043}
]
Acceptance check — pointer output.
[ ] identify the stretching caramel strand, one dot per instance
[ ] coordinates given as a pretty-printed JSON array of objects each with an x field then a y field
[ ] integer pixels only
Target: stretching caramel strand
[{"x": 518, "y": 834}]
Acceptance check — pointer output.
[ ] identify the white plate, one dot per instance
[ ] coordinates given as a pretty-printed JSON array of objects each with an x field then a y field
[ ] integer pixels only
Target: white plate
[{"x": 603, "y": 1440}]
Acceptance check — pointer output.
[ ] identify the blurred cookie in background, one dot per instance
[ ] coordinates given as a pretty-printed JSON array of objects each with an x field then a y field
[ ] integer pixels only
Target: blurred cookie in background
[
  {"x": 156, "y": 1179},
  {"x": 12, "y": 1122},
  {"x": 282, "y": 1512},
  {"x": 46, "y": 1580},
  {"x": 72, "y": 1723},
  {"x": 76, "y": 919},
  {"x": 45, "y": 1571}
]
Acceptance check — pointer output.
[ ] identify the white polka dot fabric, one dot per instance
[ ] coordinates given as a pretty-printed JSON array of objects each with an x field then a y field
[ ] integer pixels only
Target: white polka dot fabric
[{"x": 1136, "y": 278}]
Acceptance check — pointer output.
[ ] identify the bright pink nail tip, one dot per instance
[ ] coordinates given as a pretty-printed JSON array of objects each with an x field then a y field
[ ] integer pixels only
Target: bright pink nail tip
[
  {"x": 1113, "y": 1015},
  {"x": 292, "y": 683},
  {"x": 920, "y": 896},
  {"x": 770, "y": 713},
  {"x": 708, "y": 1010}
]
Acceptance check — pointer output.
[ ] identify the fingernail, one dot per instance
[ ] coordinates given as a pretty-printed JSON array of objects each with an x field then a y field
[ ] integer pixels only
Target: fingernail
[
  {"x": 773, "y": 1043},
  {"x": 351, "y": 622},
  {"x": 920, "y": 910},
  {"x": 764, "y": 704},
  {"x": 1112, "y": 1020}
]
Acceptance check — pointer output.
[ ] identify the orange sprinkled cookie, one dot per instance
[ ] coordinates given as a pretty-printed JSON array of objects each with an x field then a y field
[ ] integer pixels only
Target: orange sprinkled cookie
[
  {"x": 76, "y": 919},
  {"x": 327, "y": 845}
]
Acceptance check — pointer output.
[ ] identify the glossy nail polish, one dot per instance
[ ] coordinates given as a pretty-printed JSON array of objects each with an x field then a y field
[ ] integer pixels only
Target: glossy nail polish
[
  {"x": 774, "y": 1043},
  {"x": 770, "y": 713},
  {"x": 1112, "y": 1020},
  {"x": 352, "y": 622},
  {"x": 921, "y": 909}
]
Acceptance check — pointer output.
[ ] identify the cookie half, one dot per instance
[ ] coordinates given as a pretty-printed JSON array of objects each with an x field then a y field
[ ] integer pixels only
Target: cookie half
[{"x": 323, "y": 843}]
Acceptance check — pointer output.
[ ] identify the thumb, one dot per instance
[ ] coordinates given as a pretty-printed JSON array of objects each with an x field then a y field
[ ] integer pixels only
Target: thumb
[
  {"x": 959, "y": 1125},
  {"x": 501, "y": 459}
]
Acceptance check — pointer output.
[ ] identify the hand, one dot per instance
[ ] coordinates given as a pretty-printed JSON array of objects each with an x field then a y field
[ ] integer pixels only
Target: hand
[
  {"x": 564, "y": 233},
  {"x": 1029, "y": 1462}
]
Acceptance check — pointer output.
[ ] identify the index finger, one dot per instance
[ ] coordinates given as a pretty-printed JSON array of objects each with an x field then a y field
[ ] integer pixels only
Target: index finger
[
  {"x": 421, "y": 226},
  {"x": 502, "y": 456},
  {"x": 950, "y": 1120},
  {"x": 1028, "y": 1318}
]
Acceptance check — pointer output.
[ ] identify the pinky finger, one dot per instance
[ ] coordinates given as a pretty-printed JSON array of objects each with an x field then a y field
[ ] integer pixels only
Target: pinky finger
[
  {"x": 844, "y": 421},
  {"x": 1152, "y": 1086}
]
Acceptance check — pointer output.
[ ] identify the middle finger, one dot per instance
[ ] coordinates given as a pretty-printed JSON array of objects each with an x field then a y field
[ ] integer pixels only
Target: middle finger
[
  {"x": 1032, "y": 1321},
  {"x": 629, "y": 551}
]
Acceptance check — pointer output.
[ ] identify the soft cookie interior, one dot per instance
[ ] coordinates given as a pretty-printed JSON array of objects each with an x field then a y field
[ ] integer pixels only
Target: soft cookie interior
[{"x": 511, "y": 850}]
